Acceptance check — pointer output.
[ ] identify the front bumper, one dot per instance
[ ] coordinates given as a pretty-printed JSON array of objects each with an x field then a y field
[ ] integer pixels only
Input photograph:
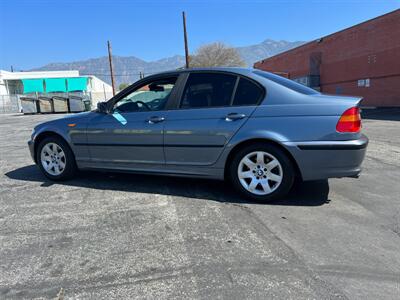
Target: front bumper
[
  {"x": 31, "y": 146},
  {"x": 329, "y": 159}
]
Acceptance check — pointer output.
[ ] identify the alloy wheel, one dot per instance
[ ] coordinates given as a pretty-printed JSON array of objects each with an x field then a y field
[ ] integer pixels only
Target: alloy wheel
[
  {"x": 53, "y": 159},
  {"x": 260, "y": 173}
]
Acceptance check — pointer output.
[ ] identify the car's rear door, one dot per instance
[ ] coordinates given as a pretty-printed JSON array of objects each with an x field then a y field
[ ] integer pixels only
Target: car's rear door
[{"x": 206, "y": 117}]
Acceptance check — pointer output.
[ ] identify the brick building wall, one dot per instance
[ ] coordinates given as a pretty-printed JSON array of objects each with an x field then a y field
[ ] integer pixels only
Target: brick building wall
[{"x": 363, "y": 60}]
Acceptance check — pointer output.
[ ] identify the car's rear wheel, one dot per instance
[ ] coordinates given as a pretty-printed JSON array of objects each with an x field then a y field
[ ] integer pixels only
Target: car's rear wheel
[
  {"x": 55, "y": 158},
  {"x": 262, "y": 172}
]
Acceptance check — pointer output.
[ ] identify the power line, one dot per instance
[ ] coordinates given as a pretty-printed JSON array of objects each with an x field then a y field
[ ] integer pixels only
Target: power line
[
  {"x": 129, "y": 74},
  {"x": 129, "y": 69},
  {"x": 137, "y": 70}
]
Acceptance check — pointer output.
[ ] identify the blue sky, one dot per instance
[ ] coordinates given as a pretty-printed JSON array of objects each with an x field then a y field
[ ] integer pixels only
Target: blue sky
[{"x": 37, "y": 32}]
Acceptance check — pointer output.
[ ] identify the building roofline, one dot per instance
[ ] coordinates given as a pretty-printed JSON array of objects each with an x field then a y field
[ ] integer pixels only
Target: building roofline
[
  {"x": 330, "y": 34},
  {"x": 6, "y": 75},
  {"x": 31, "y": 72}
]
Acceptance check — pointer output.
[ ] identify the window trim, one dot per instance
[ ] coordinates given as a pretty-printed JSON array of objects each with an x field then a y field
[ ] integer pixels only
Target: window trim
[
  {"x": 234, "y": 91},
  {"x": 238, "y": 77},
  {"x": 261, "y": 97},
  {"x": 140, "y": 83}
]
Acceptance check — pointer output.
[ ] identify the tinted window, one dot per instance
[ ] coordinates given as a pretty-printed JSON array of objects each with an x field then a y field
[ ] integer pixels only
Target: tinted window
[
  {"x": 208, "y": 90},
  {"x": 287, "y": 83},
  {"x": 247, "y": 93},
  {"x": 152, "y": 96}
]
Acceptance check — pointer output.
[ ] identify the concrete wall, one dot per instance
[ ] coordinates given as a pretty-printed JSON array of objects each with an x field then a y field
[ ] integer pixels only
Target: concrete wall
[
  {"x": 99, "y": 90},
  {"x": 370, "y": 50}
]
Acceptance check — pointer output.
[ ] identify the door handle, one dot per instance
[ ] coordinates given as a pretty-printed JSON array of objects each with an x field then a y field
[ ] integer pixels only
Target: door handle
[
  {"x": 155, "y": 119},
  {"x": 234, "y": 116}
]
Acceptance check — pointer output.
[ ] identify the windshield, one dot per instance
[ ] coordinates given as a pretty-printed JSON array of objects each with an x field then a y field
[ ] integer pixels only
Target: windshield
[{"x": 290, "y": 84}]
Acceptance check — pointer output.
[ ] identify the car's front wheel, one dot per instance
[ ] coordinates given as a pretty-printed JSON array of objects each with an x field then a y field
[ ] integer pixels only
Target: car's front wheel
[
  {"x": 262, "y": 172},
  {"x": 55, "y": 158}
]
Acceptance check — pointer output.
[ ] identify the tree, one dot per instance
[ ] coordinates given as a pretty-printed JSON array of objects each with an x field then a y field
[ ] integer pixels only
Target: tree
[
  {"x": 216, "y": 55},
  {"x": 122, "y": 86}
]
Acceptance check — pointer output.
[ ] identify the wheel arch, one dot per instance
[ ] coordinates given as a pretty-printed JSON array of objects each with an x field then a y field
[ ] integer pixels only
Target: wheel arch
[
  {"x": 249, "y": 142},
  {"x": 45, "y": 134}
]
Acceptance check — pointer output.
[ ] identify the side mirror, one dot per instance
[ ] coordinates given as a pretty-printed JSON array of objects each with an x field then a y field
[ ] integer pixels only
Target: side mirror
[{"x": 102, "y": 107}]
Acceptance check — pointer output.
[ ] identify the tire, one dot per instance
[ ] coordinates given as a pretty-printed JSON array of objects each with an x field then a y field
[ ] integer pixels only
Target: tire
[
  {"x": 62, "y": 159},
  {"x": 262, "y": 177}
]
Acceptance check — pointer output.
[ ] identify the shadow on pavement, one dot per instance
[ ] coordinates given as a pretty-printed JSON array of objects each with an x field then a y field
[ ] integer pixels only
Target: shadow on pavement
[
  {"x": 312, "y": 193},
  {"x": 385, "y": 114}
]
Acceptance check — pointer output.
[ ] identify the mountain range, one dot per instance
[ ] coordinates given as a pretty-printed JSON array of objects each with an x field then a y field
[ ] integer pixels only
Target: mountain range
[{"x": 127, "y": 68}]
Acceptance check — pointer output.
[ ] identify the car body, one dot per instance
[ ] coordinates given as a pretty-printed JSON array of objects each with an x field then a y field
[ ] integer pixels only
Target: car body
[{"x": 201, "y": 120}]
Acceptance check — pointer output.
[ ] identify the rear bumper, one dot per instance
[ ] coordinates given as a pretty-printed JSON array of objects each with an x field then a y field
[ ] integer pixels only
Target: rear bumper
[{"x": 329, "y": 159}]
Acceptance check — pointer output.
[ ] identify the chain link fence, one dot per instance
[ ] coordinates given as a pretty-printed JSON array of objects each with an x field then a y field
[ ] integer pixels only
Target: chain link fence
[{"x": 10, "y": 104}]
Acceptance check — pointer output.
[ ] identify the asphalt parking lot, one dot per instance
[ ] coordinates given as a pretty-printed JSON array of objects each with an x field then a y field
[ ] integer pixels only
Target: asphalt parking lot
[{"x": 115, "y": 236}]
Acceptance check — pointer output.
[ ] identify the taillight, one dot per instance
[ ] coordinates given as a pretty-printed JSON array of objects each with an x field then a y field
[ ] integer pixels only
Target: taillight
[{"x": 350, "y": 121}]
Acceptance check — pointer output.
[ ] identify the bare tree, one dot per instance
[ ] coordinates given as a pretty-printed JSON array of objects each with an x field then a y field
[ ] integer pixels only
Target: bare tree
[{"x": 216, "y": 55}]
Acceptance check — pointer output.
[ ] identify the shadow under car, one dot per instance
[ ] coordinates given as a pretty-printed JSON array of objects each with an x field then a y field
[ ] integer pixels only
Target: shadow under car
[{"x": 309, "y": 193}]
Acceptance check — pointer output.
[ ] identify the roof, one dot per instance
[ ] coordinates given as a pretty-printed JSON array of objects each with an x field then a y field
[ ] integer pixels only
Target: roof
[{"x": 37, "y": 74}]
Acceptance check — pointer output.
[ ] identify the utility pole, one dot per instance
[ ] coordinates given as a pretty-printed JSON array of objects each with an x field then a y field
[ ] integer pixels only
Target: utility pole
[
  {"x": 111, "y": 67},
  {"x": 185, "y": 38}
]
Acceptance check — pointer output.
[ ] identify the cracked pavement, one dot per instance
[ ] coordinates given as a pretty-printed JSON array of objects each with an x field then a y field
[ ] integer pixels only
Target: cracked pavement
[{"x": 120, "y": 236}]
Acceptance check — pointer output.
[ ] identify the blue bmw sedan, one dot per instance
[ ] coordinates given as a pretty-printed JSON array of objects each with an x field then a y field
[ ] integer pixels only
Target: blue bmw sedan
[{"x": 258, "y": 130}]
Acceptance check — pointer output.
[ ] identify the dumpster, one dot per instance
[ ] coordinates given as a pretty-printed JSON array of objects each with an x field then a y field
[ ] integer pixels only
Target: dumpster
[
  {"x": 60, "y": 104},
  {"x": 45, "y": 105},
  {"x": 29, "y": 105},
  {"x": 88, "y": 105},
  {"x": 75, "y": 104}
]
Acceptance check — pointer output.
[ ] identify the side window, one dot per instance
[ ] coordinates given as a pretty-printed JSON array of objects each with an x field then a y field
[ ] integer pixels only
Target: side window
[
  {"x": 247, "y": 93},
  {"x": 208, "y": 90},
  {"x": 149, "y": 97}
]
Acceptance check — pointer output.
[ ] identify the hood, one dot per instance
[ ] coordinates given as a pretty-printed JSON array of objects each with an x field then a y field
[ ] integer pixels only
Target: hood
[{"x": 78, "y": 117}]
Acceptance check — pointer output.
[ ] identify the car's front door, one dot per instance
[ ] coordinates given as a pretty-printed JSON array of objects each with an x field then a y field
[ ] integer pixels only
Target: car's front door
[
  {"x": 131, "y": 135},
  {"x": 213, "y": 106}
]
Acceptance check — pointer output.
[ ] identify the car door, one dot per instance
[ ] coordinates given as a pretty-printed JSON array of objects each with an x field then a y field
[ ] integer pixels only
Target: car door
[
  {"x": 212, "y": 107},
  {"x": 131, "y": 135}
]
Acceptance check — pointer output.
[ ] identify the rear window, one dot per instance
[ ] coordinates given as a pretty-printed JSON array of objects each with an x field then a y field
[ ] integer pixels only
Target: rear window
[
  {"x": 290, "y": 84},
  {"x": 247, "y": 93},
  {"x": 208, "y": 90}
]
